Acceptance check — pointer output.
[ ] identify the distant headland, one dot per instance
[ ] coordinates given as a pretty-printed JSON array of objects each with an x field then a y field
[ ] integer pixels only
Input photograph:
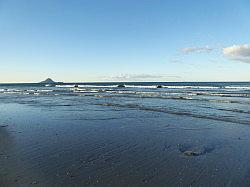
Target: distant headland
[{"x": 49, "y": 81}]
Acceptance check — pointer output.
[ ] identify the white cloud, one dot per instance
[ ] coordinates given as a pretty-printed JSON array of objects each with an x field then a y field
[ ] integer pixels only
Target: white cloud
[
  {"x": 189, "y": 50},
  {"x": 239, "y": 53}
]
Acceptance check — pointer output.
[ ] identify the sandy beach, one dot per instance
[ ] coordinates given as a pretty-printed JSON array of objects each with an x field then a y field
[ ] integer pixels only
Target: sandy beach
[{"x": 64, "y": 142}]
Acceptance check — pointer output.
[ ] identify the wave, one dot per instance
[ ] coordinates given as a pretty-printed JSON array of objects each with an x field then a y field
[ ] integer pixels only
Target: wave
[
  {"x": 138, "y": 86},
  {"x": 65, "y": 86},
  {"x": 195, "y": 96},
  {"x": 86, "y": 91},
  {"x": 181, "y": 113},
  {"x": 86, "y": 86},
  {"x": 154, "y": 86},
  {"x": 191, "y": 87},
  {"x": 224, "y": 94},
  {"x": 238, "y": 87},
  {"x": 235, "y": 110}
]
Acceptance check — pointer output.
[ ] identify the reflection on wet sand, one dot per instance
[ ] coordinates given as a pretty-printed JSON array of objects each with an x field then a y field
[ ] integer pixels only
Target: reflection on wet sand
[
  {"x": 109, "y": 147},
  {"x": 5, "y": 144},
  {"x": 4, "y": 137}
]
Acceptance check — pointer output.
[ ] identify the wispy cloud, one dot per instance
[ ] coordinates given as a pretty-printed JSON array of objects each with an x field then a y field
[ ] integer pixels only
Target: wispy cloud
[
  {"x": 189, "y": 50},
  {"x": 239, "y": 53},
  {"x": 176, "y": 61},
  {"x": 141, "y": 77}
]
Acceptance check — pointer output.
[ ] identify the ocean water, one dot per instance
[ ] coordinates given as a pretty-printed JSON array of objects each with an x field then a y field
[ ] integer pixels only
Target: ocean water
[
  {"x": 222, "y": 101},
  {"x": 97, "y": 134}
]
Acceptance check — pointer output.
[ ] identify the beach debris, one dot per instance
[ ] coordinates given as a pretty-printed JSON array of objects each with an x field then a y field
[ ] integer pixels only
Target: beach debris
[
  {"x": 121, "y": 86},
  {"x": 18, "y": 178},
  {"x": 191, "y": 153},
  {"x": 34, "y": 182},
  {"x": 190, "y": 150}
]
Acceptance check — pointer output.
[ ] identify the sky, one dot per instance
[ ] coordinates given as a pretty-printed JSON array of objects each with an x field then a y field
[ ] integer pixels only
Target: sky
[{"x": 124, "y": 40}]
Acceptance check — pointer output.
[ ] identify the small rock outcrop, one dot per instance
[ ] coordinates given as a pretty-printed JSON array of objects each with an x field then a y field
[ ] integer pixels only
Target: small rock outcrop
[{"x": 121, "y": 86}]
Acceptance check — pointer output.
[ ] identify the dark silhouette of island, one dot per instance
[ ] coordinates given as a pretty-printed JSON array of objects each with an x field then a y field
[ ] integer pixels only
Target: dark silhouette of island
[{"x": 49, "y": 81}]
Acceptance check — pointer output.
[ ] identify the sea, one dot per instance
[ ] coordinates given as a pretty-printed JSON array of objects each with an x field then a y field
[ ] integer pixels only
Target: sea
[{"x": 221, "y": 101}]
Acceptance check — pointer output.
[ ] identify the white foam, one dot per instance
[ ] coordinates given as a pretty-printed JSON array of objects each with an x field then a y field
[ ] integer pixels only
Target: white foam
[
  {"x": 44, "y": 90},
  {"x": 238, "y": 87},
  {"x": 65, "y": 86},
  {"x": 140, "y": 86},
  {"x": 87, "y": 86},
  {"x": 97, "y": 86},
  {"x": 191, "y": 87},
  {"x": 49, "y": 85},
  {"x": 85, "y": 91}
]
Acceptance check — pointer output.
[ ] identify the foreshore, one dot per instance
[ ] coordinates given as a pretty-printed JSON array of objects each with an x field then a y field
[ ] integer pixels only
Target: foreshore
[{"x": 105, "y": 146}]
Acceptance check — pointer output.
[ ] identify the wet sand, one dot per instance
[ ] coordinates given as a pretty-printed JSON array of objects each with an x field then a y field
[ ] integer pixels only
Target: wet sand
[{"x": 108, "y": 146}]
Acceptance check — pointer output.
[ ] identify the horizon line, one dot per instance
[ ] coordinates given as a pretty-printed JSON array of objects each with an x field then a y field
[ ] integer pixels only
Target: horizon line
[{"x": 60, "y": 82}]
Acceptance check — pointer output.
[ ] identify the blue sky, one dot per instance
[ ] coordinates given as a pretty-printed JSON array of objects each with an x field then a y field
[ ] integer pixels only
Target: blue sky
[{"x": 130, "y": 40}]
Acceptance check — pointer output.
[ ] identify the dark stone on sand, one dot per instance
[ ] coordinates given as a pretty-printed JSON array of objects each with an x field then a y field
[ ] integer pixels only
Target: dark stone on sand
[
  {"x": 159, "y": 86},
  {"x": 191, "y": 150},
  {"x": 191, "y": 153},
  {"x": 121, "y": 86}
]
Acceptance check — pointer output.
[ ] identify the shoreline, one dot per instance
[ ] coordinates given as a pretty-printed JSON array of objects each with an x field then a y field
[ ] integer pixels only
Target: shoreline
[{"x": 51, "y": 148}]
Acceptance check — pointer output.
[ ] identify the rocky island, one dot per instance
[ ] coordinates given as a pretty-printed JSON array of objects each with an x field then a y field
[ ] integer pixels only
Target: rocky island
[{"x": 49, "y": 81}]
